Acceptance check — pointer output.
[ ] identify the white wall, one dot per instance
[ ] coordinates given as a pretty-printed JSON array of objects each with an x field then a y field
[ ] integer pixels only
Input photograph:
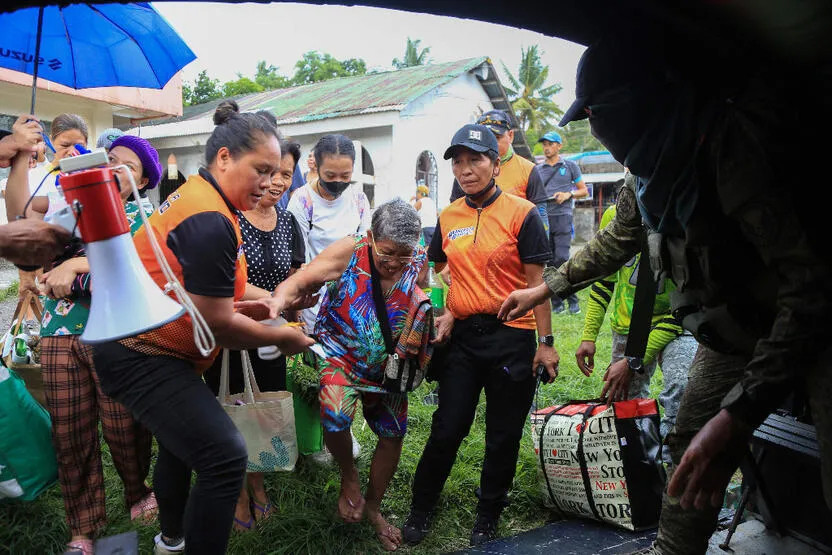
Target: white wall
[
  {"x": 429, "y": 123},
  {"x": 16, "y": 100}
]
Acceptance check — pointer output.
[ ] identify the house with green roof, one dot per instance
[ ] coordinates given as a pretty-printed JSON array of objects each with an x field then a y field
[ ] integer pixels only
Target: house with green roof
[{"x": 401, "y": 121}]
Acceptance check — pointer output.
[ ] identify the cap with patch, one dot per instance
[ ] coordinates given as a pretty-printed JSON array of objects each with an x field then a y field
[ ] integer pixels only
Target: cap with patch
[
  {"x": 496, "y": 120},
  {"x": 552, "y": 137},
  {"x": 478, "y": 138}
]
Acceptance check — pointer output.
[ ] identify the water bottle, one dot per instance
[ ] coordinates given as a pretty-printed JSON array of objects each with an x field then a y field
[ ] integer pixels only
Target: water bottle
[{"x": 436, "y": 291}]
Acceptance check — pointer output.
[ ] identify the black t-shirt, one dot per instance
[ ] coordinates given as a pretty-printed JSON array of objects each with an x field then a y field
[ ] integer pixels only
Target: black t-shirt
[{"x": 205, "y": 245}]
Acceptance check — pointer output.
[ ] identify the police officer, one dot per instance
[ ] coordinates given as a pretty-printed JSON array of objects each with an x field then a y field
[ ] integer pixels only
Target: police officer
[{"x": 706, "y": 143}]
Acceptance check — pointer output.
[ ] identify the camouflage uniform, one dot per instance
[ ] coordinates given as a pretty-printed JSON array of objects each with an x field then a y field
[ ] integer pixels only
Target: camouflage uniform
[{"x": 764, "y": 287}]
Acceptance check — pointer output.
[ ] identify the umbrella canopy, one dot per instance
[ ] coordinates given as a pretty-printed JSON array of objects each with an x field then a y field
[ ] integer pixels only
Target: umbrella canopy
[{"x": 94, "y": 45}]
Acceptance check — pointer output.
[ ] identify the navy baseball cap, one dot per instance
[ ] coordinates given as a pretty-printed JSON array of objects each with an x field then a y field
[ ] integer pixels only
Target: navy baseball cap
[
  {"x": 478, "y": 138},
  {"x": 496, "y": 120},
  {"x": 552, "y": 137},
  {"x": 611, "y": 63}
]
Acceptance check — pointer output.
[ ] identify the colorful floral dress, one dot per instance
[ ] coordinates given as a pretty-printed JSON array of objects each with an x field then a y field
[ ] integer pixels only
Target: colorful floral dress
[{"x": 348, "y": 330}]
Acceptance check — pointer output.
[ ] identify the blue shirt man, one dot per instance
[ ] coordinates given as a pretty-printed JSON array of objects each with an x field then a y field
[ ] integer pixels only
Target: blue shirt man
[{"x": 562, "y": 181}]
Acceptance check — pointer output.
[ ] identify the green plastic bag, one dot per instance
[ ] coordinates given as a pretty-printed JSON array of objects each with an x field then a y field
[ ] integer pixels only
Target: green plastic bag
[
  {"x": 302, "y": 381},
  {"x": 27, "y": 459}
]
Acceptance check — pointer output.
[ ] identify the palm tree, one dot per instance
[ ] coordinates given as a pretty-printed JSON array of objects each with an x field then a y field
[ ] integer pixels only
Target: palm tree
[
  {"x": 412, "y": 55},
  {"x": 529, "y": 95}
]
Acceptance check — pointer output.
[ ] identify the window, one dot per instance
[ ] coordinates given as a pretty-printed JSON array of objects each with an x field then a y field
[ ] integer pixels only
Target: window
[{"x": 427, "y": 174}]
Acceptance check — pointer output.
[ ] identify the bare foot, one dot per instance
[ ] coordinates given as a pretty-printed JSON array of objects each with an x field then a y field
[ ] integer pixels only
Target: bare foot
[
  {"x": 351, "y": 502},
  {"x": 389, "y": 536}
]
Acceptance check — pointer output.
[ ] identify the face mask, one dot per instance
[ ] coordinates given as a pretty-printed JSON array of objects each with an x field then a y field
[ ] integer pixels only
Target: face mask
[{"x": 334, "y": 188}]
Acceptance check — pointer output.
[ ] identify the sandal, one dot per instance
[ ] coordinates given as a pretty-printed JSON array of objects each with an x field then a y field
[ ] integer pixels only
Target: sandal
[
  {"x": 84, "y": 547},
  {"x": 265, "y": 510},
  {"x": 244, "y": 526},
  {"x": 145, "y": 510}
]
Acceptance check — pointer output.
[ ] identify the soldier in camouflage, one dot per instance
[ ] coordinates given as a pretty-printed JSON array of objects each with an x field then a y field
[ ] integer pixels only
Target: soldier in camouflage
[{"x": 752, "y": 269}]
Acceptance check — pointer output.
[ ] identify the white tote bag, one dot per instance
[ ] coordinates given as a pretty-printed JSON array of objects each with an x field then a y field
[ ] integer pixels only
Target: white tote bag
[{"x": 266, "y": 420}]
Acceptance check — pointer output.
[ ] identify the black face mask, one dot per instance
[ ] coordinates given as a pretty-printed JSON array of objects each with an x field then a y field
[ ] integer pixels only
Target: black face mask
[{"x": 334, "y": 188}]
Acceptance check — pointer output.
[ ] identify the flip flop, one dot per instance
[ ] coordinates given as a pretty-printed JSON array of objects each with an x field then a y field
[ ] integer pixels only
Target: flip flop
[
  {"x": 264, "y": 509},
  {"x": 84, "y": 547},
  {"x": 245, "y": 525}
]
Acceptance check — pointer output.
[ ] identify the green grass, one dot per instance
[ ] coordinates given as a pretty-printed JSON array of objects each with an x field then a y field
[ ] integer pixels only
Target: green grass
[
  {"x": 10, "y": 292},
  {"x": 305, "y": 520}
]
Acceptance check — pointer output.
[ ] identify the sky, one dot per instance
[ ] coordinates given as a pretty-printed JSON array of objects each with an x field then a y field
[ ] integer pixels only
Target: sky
[{"x": 231, "y": 38}]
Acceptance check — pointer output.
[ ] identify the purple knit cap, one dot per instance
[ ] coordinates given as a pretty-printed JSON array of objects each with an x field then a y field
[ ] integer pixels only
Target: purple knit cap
[{"x": 147, "y": 155}]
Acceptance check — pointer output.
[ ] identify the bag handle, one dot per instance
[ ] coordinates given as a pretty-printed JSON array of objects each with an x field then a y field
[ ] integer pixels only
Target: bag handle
[
  {"x": 249, "y": 381},
  {"x": 381, "y": 306},
  {"x": 29, "y": 300},
  {"x": 223, "y": 393}
]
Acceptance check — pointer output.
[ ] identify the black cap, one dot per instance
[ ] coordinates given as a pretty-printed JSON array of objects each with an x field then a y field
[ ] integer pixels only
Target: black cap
[
  {"x": 496, "y": 120},
  {"x": 476, "y": 137},
  {"x": 610, "y": 63},
  {"x": 4, "y": 133}
]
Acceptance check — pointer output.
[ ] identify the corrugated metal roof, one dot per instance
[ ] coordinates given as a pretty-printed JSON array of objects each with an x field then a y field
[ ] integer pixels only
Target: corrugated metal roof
[{"x": 345, "y": 96}]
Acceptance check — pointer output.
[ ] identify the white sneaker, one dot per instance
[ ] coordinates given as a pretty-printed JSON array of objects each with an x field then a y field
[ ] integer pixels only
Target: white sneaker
[
  {"x": 163, "y": 548},
  {"x": 356, "y": 447}
]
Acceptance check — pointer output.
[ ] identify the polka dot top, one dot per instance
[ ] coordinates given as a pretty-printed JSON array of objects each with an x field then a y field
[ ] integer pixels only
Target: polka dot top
[{"x": 271, "y": 254}]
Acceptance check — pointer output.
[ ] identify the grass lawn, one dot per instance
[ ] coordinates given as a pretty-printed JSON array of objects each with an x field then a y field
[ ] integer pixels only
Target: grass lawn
[{"x": 305, "y": 520}]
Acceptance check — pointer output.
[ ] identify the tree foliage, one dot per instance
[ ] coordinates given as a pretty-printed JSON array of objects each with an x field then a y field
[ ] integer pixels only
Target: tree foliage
[
  {"x": 578, "y": 138},
  {"x": 243, "y": 85},
  {"x": 412, "y": 55},
  {"x": 530, "y": 97},
  {"x": 314, "y": 67},
  {"x": 267, "y": 76},
  {"x": 204, "y": 89}
]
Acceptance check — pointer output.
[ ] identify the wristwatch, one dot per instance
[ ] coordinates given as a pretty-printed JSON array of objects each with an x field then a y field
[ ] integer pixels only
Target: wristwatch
[
  {"x": 548, "y": 340},
  {"x": 636, "y": 364},
  {"x": 571, "y": 195}
]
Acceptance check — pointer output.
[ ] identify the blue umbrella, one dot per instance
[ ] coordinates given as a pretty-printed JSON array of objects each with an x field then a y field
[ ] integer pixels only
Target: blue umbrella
[{"x": 93, "y": 45}]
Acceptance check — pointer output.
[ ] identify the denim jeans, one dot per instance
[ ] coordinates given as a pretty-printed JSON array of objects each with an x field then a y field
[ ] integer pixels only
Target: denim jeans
[{"x": 194, "y": 434}]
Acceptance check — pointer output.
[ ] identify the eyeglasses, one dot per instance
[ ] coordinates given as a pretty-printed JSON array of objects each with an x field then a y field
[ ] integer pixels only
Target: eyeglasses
[{"x": 389, "y": 257}]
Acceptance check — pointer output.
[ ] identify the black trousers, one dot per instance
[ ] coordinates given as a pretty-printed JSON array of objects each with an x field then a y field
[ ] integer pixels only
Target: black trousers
[
  {"x": 560, "y": 239},
  {"x": 194, "y": 434},
  {"x": 482, "y": 354}
]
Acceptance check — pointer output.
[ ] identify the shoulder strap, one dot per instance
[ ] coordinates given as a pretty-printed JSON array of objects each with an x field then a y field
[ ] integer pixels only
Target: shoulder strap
[
  {"x": 642, "y": 317},
  {"x": 381, "y": 306},
  {"x": 548, "y": 180},
  {"x": 308, "y": 205}
]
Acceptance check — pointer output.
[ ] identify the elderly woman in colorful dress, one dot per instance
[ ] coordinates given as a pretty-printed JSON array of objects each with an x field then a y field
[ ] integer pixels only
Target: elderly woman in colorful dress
[{"x": 348, "y": 329}]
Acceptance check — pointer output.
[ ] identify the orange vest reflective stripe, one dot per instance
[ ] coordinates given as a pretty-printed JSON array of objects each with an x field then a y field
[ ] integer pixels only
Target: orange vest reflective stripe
[
  {"x": 176, "y": 339},
  {"x": 483, "y": 257}
]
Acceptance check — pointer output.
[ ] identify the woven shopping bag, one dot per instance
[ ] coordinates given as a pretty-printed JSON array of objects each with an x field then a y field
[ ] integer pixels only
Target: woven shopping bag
[{"x": 266, "y": 420}]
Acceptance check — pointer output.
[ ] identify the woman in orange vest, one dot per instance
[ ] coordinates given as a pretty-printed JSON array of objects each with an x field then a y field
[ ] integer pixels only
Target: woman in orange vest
[
  {"x": 157, "y": 375},
  {"x": 494, "y": 243}
]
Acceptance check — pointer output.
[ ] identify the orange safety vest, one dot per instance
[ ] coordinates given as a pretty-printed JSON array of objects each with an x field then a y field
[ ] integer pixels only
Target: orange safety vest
[
  {"x": 482, "y": 253},
  {"x": 176, "y": 339}
]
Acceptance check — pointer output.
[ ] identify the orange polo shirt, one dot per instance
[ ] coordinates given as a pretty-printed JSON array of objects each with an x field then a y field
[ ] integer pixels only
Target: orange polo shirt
[
  {"x": 514, "y": 176},
  {"x": 486, "y": 249},
  {"x": 198, "y": 231}
]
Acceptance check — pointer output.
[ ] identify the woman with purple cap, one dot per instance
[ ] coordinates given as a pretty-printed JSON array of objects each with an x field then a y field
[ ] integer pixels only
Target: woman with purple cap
[{"x": 73, "y": 392}]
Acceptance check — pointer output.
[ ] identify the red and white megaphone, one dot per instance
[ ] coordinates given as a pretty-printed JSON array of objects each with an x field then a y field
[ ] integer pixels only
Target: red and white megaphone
[{"x": 125, "y": 301}]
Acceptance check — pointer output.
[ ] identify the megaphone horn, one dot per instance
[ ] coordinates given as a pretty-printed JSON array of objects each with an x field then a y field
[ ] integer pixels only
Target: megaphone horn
[{"x": 125, "y": 301}]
